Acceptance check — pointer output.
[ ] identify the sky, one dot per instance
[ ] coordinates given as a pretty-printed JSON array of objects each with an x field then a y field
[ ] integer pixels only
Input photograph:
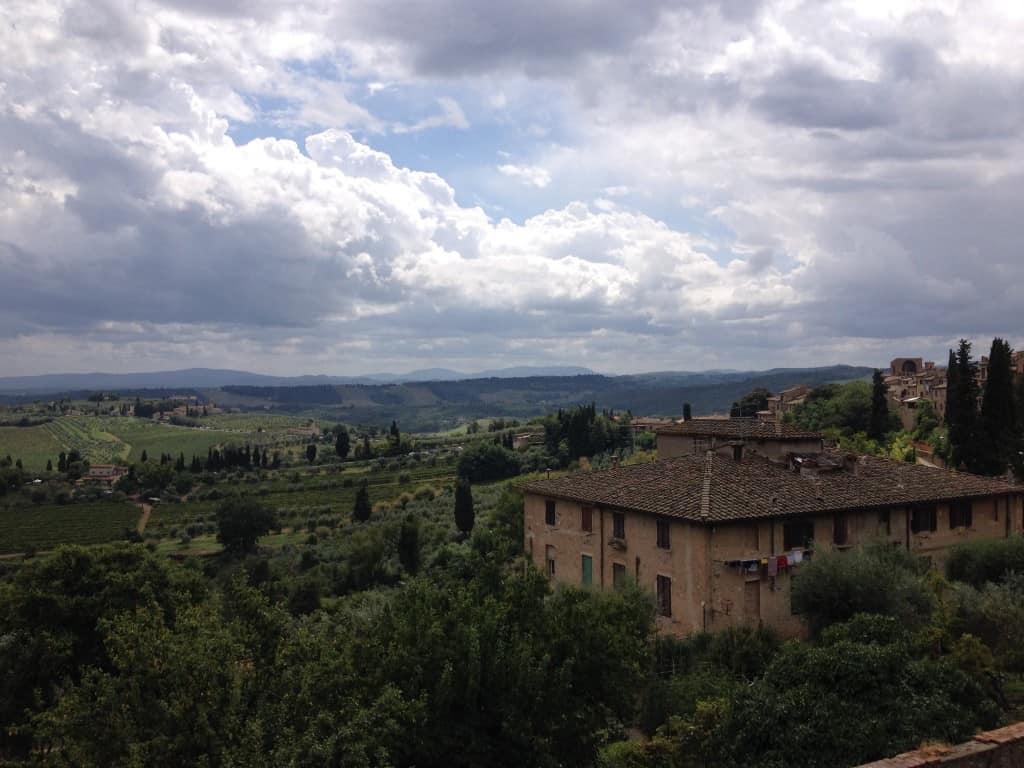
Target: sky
[{"x": 386, "y": 185}]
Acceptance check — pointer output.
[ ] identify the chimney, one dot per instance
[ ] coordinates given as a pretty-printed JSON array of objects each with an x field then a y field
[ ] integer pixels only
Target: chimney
[
  {"x": 850, "y": 463},
  {"x": 737, "y": 452},
  {"x": 615, "y": 462}
]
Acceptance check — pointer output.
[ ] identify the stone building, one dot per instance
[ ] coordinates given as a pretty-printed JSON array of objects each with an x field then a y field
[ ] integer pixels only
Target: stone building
[
  {"x": 773, "y": 439},
  {"x": 784, "y": 402},
  {"x": 909, "y": 383},
  {"x": 720, "y": 535}
]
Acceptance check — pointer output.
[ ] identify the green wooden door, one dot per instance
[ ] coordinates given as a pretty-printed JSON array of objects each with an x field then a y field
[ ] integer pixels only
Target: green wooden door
[{"x": 588, "y": 570}]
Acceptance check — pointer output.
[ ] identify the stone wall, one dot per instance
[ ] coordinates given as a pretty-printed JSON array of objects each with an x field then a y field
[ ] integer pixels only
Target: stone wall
[{"x": 1003, "y": 748}]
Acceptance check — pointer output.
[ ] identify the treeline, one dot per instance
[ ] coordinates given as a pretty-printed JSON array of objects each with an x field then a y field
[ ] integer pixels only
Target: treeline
[
  {"x": 985, "y": 423},
  {"x": 140, "y": 661},
  {"x": 569, "y": 435}
]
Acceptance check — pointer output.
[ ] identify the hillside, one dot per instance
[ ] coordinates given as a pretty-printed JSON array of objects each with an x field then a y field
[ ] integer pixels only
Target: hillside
[{"x": 435, "y": 404}]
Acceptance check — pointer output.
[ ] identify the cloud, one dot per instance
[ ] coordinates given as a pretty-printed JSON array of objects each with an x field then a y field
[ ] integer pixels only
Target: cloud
[
  {"x": 198, "y": 183},
  {"x": 451, "y": 116},
  {"x": 528, "y": 174}
]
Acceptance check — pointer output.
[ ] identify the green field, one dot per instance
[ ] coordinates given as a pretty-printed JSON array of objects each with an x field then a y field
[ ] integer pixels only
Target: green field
[
  {"x": 33, "y": 445},
  {"x": 155, "y": 439},
  {"x": 105, "y": 439},
  {"x": 47, "y": 526}
]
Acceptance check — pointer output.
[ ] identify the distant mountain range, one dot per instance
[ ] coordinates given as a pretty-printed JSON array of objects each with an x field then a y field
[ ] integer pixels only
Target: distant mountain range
[
  {"x": 437, "y": 398},
  {"x": 205, "y": 378}
]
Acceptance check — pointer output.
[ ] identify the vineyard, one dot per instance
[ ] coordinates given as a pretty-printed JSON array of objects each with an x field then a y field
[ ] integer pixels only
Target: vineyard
[
  {"x": 105, "y": 439},
  {"x": 86, "y": 435},
  {"x": 44, "y": 527}
]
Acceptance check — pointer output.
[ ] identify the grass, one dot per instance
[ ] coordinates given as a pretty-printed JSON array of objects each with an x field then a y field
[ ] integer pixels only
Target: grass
[
  {"x": 33, "y": 445},
  {"x": 105, "y": 439},
  {"x": 45, "y": 527}
]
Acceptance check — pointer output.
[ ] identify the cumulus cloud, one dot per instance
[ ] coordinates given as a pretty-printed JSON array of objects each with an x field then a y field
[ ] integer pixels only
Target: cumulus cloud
[
  {"x": 528, "y": 174},
  {"x": 848, "y": 184}
]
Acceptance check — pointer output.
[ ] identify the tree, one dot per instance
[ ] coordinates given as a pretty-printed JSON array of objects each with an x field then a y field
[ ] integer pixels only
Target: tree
[
  {"x": 487, "y": 461},
  {"x": 997, "y": 428},
  {"x": 409, "y": 545},
  {"x": 240, "y": 523},
  {"x": 687, "y": 412},
  {"x": 361, "y": 509},
  {"x": 862, "y": 693},
  {"x": 962, "y": 408},
  {"x": 880, "y": 579},
  {"x": 49, "y": 465},
  {"x": 342, "y": 445},
  {"x": 311, "y": 453},
  {"x": 878, "y": 424},
  {"x": 755, "y": 400},
  {"x": 145, "y": 457},
  {"x": 464, "y": 515}
]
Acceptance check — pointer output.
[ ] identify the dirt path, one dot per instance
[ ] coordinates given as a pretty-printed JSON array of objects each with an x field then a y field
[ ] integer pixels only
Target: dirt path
[{"x": 146, "y": 509}]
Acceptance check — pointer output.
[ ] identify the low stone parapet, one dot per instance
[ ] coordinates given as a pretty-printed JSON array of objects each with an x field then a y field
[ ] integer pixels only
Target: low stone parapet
[{"x": 1002, "y": 748}]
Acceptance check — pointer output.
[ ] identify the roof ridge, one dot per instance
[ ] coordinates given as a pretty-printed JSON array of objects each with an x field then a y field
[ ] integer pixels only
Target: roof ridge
[{"x": 705, "y": 493}]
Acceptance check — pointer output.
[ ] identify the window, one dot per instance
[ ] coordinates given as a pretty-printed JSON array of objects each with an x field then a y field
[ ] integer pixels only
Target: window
[
  {"x": 960, "y": 514},
  {"x": 840, "y": 529},
  {"x": 664, "y": 596},
  {"x": 587, "y": 519},
  {"x": 549, "y": 511},
  {"x": 663, "y": 535},
  {"x": 619, "y": 525},
  {"x": 618, "y": 575},
  {"x": 587, "y": 568},
  {"x": 549, "y": 555},
  {"x": 923, "y": 519},
  {"x": 798, "y": 533}
]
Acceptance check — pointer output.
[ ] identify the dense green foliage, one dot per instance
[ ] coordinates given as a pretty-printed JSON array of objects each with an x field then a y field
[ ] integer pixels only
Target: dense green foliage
[
  {"x": 978, "y": 562},
  {"x": 864, "y": 692},
  {"x": 486, "y": 461},
  {"x": 240, "y": 523},
  {"x": 881, "y": 579},
  {"x": 878, "y": 422},
  {"x": 117, "y": 657},
  {"x": 747, "y": 406},
  {"x": 464, "y": 516},
  {"x": 998, "y": 428},
  {"x": 962, "y": 408}
]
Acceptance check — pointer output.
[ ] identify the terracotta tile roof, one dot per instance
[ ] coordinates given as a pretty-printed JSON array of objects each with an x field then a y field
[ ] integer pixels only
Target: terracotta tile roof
[
  {"x": 737, "y": 429},
  {"x": 712, "y": 488}
]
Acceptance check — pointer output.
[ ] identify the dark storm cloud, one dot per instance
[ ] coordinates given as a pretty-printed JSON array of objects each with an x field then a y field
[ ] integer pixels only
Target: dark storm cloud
[{"x": 466, "y": 37}]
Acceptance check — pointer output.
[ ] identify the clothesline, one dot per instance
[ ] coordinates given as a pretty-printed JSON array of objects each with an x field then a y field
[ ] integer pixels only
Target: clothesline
[{"x": 772, "y": 564}]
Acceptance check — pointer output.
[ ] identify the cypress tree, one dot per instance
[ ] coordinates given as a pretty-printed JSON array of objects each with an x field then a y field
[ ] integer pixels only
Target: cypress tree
[
  {"x": 409, "y": 545},
  {"x": 878, "y": 424},
  {"x": 687, "y": 412},
  {"x": 464, "y": 515},
  {"x": 361, "y": 509},
  {"x": 342, "y": 445},
  {"x": 962, "y": 409},
  {"x": 997, "y": 427}
]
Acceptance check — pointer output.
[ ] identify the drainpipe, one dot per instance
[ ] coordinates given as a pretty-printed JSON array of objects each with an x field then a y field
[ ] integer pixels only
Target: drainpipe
[{"x": 603, "y": 543}]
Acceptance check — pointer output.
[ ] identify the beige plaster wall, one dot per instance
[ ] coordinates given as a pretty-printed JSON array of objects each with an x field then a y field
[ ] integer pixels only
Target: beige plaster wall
[{"x": 707, "y": 593}]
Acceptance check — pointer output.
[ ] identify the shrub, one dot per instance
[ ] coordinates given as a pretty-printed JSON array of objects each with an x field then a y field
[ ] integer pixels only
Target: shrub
[
  {"x": 880, "y": 579},
  {"x": 978, "y": 562}
]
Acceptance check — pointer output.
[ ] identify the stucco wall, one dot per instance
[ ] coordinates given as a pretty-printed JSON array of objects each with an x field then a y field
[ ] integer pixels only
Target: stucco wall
[{"x": 708, "y": 592}]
